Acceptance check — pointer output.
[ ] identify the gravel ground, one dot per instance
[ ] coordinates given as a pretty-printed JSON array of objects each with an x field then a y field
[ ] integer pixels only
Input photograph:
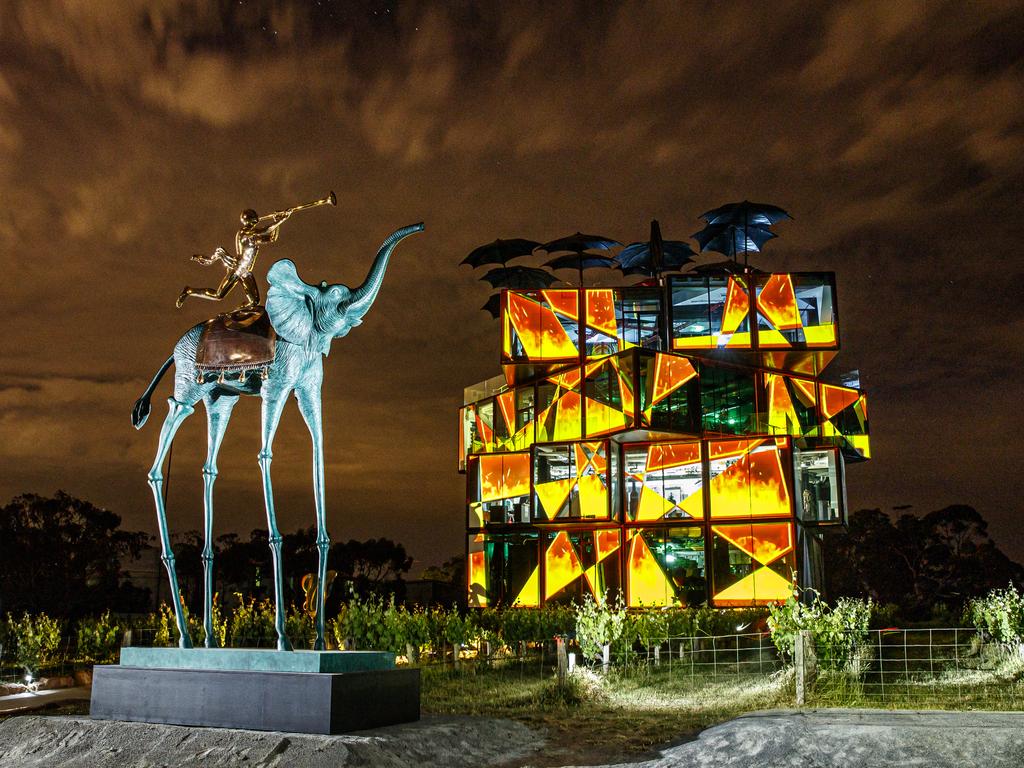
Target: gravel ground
[
  {"x": 853, "y": 738},
  {"x": 776, "y": 739},
  {"x": 78, "y": 742}
]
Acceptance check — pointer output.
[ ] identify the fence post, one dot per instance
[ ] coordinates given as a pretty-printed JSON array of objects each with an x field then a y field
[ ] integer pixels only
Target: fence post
[
  {"x": 798, "y": 665},
  {"x": 805, "y": 662},
  {"x": 657, "y": 655},
  {"x": 605, "y": 657},
  {"x": 563, "y": 660}
]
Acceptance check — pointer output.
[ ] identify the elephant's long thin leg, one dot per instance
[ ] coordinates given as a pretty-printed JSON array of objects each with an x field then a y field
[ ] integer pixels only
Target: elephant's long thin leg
[
  {"x": 273, "y": 404},
  {"x": 309, "y": 406},
  {"x": 178, "y": 412},
  {"x": 218, "y": 413}
]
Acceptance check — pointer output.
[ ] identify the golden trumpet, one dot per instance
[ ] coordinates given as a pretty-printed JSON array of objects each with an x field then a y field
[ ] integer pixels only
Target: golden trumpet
[{"x": 329, "y": 200}]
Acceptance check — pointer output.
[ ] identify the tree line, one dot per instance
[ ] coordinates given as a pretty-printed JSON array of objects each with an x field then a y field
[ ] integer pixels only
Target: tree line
[{"x": 67, "y": 557}]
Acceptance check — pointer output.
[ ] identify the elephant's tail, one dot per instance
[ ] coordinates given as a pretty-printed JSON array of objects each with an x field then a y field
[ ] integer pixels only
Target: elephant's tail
[{"x": 141, "y": 410}]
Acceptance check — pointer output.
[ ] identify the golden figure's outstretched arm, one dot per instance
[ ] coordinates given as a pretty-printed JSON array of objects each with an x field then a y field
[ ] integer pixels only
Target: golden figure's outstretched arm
[{"x": 220, "y": 255}]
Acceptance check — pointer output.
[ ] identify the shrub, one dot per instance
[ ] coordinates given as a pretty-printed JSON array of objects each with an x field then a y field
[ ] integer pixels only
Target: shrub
[
  {"x": 252, "y": 624},
  {"x": 98, "y": 639},
  {"x": 999, "y": 614},
  {"x": 837, "y": 631},
  {"x": 35, "y": 639},
  {"x": 599, "y": 624}
]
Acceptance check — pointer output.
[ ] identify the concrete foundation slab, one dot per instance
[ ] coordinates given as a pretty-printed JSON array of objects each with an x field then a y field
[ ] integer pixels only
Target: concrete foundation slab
[{"x": 296, "y": 702}]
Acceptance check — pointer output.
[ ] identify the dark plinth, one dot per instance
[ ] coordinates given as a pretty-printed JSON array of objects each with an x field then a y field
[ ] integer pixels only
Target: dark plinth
[{"x": 298, "y": 702}]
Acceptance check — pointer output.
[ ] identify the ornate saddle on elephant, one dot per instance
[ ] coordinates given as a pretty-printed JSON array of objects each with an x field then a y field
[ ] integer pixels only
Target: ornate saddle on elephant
[{"x": 236, "y": 343}]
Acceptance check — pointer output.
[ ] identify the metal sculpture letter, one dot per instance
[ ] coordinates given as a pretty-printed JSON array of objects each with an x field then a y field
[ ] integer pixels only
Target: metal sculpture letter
[{"x": 305, "y": 319}]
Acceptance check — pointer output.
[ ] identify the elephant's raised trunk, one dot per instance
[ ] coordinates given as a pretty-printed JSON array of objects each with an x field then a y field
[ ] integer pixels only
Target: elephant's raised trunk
[{"x": 364, "y": 296}]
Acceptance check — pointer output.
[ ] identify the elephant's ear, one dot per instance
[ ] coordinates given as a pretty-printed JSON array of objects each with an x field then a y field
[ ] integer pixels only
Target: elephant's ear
[{"x": 289, "y": 303}]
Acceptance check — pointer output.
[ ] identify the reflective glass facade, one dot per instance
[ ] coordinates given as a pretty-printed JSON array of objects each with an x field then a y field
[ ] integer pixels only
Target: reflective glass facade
[{"x": 669, "y": 443}]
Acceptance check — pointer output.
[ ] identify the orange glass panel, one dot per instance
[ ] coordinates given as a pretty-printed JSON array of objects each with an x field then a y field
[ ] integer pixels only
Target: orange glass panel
[
  {"x": 664, "y": 455},
  {"x": 507, "y": 408},
  {"x": 765, "y": 542},
  {"x": 601, "y": 311},
  {"x": 539, "y": 331},
  {"x": 570, "y": 379},
  {"x": 476, "y": 572},
  {"x": 670, "y": 373},
  {"x": 605, "y": 543},
  {"x": 723, "y": 449},
  {"x": 563, "y": 302},
  {"x": 561, "y": 565},
  {"x": 834, "y": 399},
  {"x": 504, "y": 476},
  {"x": 777, "y": 302},
  {"x": 754, "y": 485},
  {"x": 737, "y": 305}
]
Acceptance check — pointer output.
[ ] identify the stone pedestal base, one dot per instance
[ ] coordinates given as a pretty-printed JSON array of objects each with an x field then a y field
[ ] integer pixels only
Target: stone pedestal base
[{"x": 298, "y": 702}]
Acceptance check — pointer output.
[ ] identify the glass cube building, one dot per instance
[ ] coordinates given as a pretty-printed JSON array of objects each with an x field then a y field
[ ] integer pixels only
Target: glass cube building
[{"x": 676, "y": 444}]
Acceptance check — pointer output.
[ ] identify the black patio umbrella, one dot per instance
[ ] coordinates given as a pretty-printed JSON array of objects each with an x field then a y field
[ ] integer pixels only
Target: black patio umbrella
[
  {"x": 739, "y": 228},
  {"x": 493, "y": 305},
  {"x": 732, "y": 239},
  {"x": 576, "y": 245},
  {"x": 758, "y": 214},
  {"x": 517, "y": 278},
  {"x": 655, "y": 256},
  {"x": 499, "y": 252},
  {"x": 521, "y": 278}
]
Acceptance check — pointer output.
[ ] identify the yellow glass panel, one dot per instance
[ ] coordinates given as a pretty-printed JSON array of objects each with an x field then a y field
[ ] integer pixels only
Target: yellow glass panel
[
  {"x": 567, "y": 417},
  {"x": 737, "y": 305},
  {"x": 770, "y": 338},
  {"x": 695, "y": 342},
  {"x": 529, "y": 595},
  {"x": 820, "y": 335},
  {"x": 652, "y": 506},
  {"x": 603, "y": 420},
  {"x": 561, "y": 565},
  {"x": 762, "y": 586},
  {"x": 593, "y": 497},
  {"x": 646, "y": 581},
  {"x": 553, "y": 495}
]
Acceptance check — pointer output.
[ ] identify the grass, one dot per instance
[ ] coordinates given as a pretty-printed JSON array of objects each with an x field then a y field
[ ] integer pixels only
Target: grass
[{"x": 623, "y": 714}]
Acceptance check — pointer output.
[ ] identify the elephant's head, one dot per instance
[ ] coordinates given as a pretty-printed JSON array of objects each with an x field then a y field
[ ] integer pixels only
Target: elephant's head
[{"x": 313, "y": 315}]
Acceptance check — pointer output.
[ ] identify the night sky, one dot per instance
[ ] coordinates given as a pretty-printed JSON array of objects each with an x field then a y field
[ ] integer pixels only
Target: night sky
[{"x": 133, "y": 133}]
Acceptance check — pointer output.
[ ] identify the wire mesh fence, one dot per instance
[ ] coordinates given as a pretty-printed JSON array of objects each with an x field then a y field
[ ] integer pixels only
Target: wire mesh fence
[{"x": 940, "y": 667}]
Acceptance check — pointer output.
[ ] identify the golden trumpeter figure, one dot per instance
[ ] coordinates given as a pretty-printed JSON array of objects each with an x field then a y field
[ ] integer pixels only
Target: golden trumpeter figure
[{"x": 247, "y": 247}]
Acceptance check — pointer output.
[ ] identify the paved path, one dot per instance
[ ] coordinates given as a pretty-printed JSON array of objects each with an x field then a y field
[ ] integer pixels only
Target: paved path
[
  {"x": 854, "y": 738},
  {"x": 33, "y": 700}
]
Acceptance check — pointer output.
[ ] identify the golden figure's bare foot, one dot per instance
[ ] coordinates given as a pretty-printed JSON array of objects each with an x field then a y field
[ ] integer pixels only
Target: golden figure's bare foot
[{"x": 184, "y": 295}]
